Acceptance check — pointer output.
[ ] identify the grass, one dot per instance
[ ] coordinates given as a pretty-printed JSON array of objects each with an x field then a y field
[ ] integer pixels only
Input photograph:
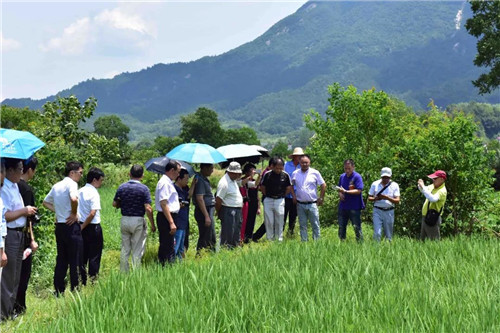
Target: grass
[{"x": 406, "y": 285}]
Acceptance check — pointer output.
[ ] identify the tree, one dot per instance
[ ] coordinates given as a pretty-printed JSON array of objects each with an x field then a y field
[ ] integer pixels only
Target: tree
[
  {"x": 280, "y": 149},
  {"x": 202, "y": 126},
  {"x": 112, "y": 127},
  {"x": 244, "y": 135},
  {"x": 485, "y": 25}
]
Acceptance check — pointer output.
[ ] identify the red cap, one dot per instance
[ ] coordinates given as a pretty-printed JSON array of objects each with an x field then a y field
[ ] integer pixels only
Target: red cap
[{"x": 438, "y": 173}]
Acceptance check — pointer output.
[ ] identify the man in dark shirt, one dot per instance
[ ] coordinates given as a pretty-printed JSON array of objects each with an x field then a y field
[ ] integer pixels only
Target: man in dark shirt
[
  {"x": 275, "y": 186},
  {"x": 182, "y": 218},
  {"x": 134, "y": 199},
  {"x": 28, "y": 196},
  {"x": 204, "y": 207}
]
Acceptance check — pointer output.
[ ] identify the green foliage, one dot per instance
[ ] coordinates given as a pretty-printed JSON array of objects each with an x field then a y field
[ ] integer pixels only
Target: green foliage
[
  {"x": 488, "y": 116},
  {"x": 377, "y": 131},
  {"x": 244, "y": 135},
  {"x": 280, "y": 149},
  {"x": 202, "y": 126},
  {"x": 112, "y": 127},
  {"x": 485, "y": 25}
]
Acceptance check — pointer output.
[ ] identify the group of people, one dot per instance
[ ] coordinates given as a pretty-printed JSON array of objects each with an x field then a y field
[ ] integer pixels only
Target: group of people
[{"x": 289, "y": 190}]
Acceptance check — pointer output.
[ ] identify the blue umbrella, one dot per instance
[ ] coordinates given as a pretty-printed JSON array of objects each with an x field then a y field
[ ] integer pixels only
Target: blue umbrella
[
  {"x": 158, "y": 164},
  {"x": 196, "y": 153},
  {"x": 18, "y": 144}
]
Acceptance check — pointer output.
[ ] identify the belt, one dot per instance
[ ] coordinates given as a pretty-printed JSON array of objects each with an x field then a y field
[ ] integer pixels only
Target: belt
[
  {"x": 16, "y": 229},
  {"x": 384, "y": 209},
  {"x": 306, "y": 202},
  {"x": 274, "y": 197}
]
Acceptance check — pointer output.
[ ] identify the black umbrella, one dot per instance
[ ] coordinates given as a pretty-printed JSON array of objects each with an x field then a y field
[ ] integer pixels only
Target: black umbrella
[{"x": 158, "y": 164}]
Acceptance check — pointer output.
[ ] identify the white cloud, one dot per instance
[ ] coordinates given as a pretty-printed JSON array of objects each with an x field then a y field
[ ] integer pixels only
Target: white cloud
[
  {"x": 74, "y": 39},
  {"x": 121, "y": 20},
  {"x": 8, "y": 44}
]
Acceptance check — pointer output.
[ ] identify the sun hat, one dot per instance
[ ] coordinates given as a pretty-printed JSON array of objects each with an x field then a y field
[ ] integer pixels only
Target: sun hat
[
  {"x": 438, "y": 173},
  {"x": 297, "y": 151},
  {"x": 234, "y": 167},
  {"x": 386, "y": 172}
]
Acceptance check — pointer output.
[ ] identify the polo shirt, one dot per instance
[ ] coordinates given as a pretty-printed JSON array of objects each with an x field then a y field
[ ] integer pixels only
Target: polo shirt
[
  {"x": 352, "y": 202},
  {"x": 165, "y": 190},
  {"x": 276, "y": 184},
  {"x": 229, "y": 191},
  {"x": 182, "y": 219},
  {"x": 60, "y": 196},
  {"x": 306, "y": 184},
  {"x": 289, "y": 169},
  {"x": 441, "y": 192},
  {"x": 89, "y": 199},
  {"x": 391, "y": 191},
  {"x": 13, "y": 201},
  {"x": 203, "y": 187},
  {"x": 132, "y": 196}
]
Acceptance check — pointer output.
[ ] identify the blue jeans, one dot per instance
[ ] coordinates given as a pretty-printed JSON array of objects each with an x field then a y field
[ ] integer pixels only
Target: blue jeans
[
  {"x": 179, "y": 243},
  {"x": 383, "y": 219},
  {"x": 308, "y": 212},
  {"x": 354, "y": 215}
]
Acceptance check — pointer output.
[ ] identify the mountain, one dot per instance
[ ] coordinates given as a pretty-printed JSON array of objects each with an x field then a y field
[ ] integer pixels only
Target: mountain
[{"x": 412, "y": 50}]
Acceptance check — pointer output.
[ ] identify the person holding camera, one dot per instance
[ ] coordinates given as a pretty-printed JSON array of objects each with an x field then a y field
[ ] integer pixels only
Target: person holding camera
[
  {"x": 435, "y": 198},
  {"x": 30, "y": 244},
  {"x": 16, "y": 215}
]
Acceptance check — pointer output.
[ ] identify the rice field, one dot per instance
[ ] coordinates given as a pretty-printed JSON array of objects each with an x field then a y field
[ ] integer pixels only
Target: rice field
[{"x": 324, "y": 286}]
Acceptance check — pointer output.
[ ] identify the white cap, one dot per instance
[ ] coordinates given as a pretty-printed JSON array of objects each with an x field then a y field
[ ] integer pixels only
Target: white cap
[{"x": 386, "y": 172}]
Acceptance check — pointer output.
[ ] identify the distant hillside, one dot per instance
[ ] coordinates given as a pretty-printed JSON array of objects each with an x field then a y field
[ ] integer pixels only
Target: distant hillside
[{"x": 412, "y": 50}]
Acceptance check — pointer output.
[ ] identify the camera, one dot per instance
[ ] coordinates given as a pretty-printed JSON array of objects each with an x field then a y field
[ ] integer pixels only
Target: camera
[{"x": 34, "y": 218}]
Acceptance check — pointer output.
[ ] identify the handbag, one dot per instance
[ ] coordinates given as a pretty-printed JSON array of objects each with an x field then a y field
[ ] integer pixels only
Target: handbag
[{"x": 432, "y": 216}]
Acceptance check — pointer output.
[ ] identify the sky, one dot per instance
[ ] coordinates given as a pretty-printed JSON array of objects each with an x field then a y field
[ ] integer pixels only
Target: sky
[{"x": 50, "y": 46}]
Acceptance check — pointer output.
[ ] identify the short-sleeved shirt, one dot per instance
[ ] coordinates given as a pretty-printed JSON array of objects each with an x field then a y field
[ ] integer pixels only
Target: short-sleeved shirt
[
  {"x": 306, "y": 184},
  {"x": 89, "y": 199},
  {"x": 276, "y": 184},
  {"x": 132, "y": 196},
  {"x": 289, "y": 169},
  {"x": 13, "y": 201},
  {"x": 352, "y": 202},
  {"x": 3, "y": 223},
  {"x": 26, "y": 193},
  {"x": 441, "y": 192},
  {"x": 165, "y": 190},
  {"x": 203, "y": 187},
  {"x": 60, "y": 196},
  {"x": 182, "y": 219},
  {"x": 391, "y": 191},
  {"x": 229, "y": 191}
]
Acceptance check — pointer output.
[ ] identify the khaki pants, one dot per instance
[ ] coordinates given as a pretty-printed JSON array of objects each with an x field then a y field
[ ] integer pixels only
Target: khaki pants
[{"x": 134, "y": 233}]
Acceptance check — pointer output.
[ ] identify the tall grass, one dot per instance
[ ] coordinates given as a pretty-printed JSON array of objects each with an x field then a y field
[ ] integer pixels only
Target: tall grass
[{"x": 447, "y": 286}]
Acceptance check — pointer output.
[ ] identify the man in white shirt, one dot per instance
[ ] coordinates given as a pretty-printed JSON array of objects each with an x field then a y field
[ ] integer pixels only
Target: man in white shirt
[
  {"x": 228, "y": 203},
  {"x": 16, "y": 216},
  {"x": 89, "y": 211},
  {"x": 384, "y": 193},
  {"x": 168, "y": 205},
  {"x": 3, "y": 223},
  {"x": 63, "y": 200}
]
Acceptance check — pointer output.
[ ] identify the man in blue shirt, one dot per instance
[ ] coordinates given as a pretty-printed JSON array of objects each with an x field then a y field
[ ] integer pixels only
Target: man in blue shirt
[
  {"x": 350, "y": 190},
  {"x": 134, "y": 199},
  {"x": 290, "y": 207}
]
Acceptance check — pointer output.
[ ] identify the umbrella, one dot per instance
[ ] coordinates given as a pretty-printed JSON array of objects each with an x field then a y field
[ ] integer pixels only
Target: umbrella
[
  {"x": 264, "y": 152},
  {"x": 196, "y": 153},
  {"x": 158, "y": 164},
  {"x": 240, "y": 153},
  {"x": 18, "y": 144}
]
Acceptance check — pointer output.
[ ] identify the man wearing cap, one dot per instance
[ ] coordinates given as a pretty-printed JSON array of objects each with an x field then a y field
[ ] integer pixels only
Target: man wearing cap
[
  {"x": 228, "y": 203},
  {"x": 435, "y": 198},
  {"x": 306, "y": 180},
  {"x": 290, "y": 206},
  {"x": 384, "y": 193},
  {"x": 350, "y": 189}
]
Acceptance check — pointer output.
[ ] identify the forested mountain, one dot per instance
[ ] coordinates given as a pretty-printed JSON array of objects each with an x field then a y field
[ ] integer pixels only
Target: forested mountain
[{"x": 413, "y": 50}]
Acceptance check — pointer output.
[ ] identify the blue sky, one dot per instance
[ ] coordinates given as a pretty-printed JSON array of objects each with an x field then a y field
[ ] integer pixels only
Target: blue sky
[{"x": 50, "y": 46}]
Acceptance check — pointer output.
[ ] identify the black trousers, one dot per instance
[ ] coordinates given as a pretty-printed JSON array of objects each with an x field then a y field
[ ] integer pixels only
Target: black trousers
[
  {"x": 291, "y": 212},
  {"x": 166, "y": 250},
  {"x": 20, "y": 305},
  {"x": 69, "y": 253},
  {"x": 252, "y": 214},
  {"x": 206, "y": 235},
  {"x": 92, "y": 251},
  {"x": 260, "y": 232}
]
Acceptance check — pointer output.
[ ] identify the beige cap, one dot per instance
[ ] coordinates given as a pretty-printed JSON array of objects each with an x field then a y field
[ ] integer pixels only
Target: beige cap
[
  {"x": 296, "y": 152},
  {"x": 234, "y": 167}
]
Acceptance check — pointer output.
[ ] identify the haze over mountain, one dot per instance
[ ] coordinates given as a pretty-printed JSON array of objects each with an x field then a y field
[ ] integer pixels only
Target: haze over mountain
[{"x": 412, "y": 50}]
